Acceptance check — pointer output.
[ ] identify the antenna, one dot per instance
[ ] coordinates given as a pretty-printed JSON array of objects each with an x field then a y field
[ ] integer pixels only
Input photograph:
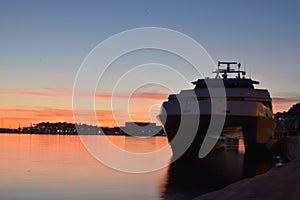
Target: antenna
[
  {"x": 239, "y": 70},
  {"x": 229, "y": 70},
  {"x": 218, "y": 71}
]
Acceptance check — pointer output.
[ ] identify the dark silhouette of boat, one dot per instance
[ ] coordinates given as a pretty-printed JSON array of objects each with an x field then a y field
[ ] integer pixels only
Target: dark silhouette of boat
[{"x": 188, "y": 116}]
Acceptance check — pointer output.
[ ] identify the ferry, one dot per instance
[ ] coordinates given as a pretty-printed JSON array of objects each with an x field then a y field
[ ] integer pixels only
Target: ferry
[{"x": 187, "y": 117}]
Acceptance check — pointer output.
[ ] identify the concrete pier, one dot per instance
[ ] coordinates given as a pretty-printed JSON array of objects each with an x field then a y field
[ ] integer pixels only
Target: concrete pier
[
  {"x": 281, "y": 182},
  {"x": 292, "y": 147}
]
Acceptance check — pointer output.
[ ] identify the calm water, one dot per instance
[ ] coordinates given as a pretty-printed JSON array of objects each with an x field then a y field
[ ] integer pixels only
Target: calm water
[{"x": 59, "y": 167}]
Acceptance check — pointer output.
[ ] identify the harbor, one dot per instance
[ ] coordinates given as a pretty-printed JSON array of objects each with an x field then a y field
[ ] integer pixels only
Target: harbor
[
  {"x": 149, "y": 100},
  {"x": 252, "y": 157},
  {"x": 47, "y": 162},
  {"x": 249, "y": 118},
  {"x": 280, "y": 181}
]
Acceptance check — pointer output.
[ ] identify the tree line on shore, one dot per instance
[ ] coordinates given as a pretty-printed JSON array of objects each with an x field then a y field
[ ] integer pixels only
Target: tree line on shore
[{"x": 63, "y": 128}]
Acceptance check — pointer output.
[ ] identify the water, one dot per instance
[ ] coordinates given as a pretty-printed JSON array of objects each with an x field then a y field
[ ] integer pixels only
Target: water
[{"x": 59, "y": 167}]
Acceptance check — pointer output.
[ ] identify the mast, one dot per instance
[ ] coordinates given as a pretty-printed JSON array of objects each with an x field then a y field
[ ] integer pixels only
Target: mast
[{"x": 228, "y": 70}]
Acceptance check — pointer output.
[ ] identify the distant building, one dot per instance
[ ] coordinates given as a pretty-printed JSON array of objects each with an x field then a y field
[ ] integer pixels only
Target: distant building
[{"x": 142, "y": 129}]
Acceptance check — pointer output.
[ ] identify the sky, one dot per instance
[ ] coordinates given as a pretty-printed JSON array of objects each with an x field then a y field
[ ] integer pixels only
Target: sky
[{"x": 44, "y": 43}]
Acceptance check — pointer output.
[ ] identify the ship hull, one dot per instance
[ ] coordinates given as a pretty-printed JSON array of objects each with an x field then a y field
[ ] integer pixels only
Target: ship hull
[{"x": 257, "y": 131}]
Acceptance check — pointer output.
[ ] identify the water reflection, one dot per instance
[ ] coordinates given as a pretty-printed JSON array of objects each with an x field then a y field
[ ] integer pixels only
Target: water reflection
[
  {"x": 144, "y": 144},
  {"x": 188, "y": 178},
  {"x": 59, "y": 167}
]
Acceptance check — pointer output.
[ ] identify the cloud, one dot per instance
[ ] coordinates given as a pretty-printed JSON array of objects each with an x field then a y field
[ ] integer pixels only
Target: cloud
[
  {"x": 151, "y": 96},
  {"x": 35, "y": 94},
  {"x": 38, "y": 114},
  {"x": 278, "y": 100},
  {"x": 139, "y": 103},
  {"x": 65, "y": 93},
  {"x": 57, "y": 90},
  {"x": 25, "y": 116}
]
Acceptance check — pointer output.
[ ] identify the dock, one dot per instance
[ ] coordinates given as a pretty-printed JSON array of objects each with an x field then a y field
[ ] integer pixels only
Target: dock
[
  {"x": 291, "y": 147},
  {"x": 281, "y": 182}
]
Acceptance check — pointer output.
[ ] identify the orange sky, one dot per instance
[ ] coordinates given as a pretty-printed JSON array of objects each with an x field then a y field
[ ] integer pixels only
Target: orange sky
[
  {"x": 21, "y": 109},
  {"x": 26, "y": 108},
  {"x": 44, "y": 43}
]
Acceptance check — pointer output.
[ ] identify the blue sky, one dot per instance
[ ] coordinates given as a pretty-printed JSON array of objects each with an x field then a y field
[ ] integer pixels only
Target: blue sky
[{"x": 43, "y": 43}]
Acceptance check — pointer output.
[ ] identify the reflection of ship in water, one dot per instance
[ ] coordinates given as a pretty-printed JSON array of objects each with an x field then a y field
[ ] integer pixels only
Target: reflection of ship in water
[
  {"x": 246, "y": 107},
  {"x": 231, "y": 139},
  {"x": 190, "y": 178},
  {"x": 141, "y": 144},
  {"x": 141, "y": 129}
]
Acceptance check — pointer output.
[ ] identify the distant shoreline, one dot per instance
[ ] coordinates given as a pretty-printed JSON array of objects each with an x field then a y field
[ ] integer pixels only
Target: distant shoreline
[
  {"x": 64, "y": 128},
  {"x": 81, "y": 134}
]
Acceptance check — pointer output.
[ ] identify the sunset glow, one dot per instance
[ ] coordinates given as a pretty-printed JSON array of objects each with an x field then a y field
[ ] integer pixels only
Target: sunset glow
[
  {"x": 41, "y": 54},
  {"x": 142, "y": 107},
  {"x": 13, "y": 117}
]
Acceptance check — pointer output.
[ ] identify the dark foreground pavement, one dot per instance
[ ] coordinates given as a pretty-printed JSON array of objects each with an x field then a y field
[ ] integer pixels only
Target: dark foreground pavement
[{"x": 282, "y": 182}]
